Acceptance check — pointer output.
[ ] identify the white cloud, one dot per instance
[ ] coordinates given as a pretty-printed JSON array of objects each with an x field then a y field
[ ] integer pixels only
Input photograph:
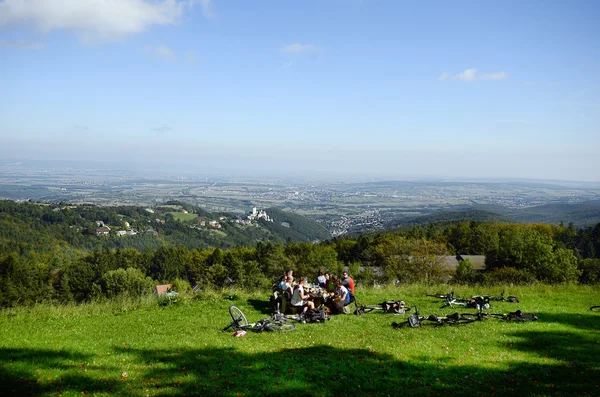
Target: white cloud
[
  {"x": 160, "y": 52},
  {"x": 297, "y": 47},
  {"x": 473, "y": 75},
  {"x": 21, "y": 44},
  {"x": 467, "y": 75},
  {"x": 443, "y": 76},
  {"x": 94, "y": 20}
]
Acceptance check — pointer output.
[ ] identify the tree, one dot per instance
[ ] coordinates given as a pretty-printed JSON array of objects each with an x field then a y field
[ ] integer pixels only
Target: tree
[{"x": 130, "y": 282}]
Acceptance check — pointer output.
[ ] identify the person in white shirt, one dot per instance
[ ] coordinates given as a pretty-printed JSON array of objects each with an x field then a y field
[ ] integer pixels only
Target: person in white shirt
[{"x": 299, "y": 298}]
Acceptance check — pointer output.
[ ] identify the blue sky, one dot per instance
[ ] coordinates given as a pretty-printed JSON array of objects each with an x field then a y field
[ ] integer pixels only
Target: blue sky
[{"x": 373, "y": 87}]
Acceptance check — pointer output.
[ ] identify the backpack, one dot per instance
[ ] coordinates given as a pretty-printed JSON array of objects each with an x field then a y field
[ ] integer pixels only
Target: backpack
[
  {"x": 414, "y": 321},
  {"x": 316, "y": 316}
]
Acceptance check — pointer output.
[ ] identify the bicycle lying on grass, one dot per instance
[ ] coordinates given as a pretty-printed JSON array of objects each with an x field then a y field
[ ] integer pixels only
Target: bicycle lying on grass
[
  {"x": 394, "y": 307},
  {"x": 595, "y": 308},
  {"x": 415, "y": 320},
  {"x": 476, "y": 302},
  {"x": 240, "y": 322},
  {"x": 513, "y": 316}
]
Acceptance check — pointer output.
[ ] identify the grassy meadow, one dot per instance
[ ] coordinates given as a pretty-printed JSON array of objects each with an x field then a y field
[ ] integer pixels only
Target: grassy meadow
[
  {"x": 144, "y": 349},
  {"x": 182, "y": 216}
]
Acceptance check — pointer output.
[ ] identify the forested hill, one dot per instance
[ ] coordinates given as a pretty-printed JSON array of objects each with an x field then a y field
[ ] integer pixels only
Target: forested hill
[
  {"x": 42, "y": 226},
  {"x": 295, "y": 227},
  {"x": 446, "y": 216},
  {"x": 580, "y": 214}
]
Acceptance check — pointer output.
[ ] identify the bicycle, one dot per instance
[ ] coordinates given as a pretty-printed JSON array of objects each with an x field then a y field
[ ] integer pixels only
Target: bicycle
[
  {"x": 394, "y": 307},
  {"x": 240, "y": 322},
  {"x": 415, "y": 320},
  {"x": 502, "y": 298},
  {"x": 595, "y": 308},
  {"x": 513, "y": 316},
  {"x": 476, "y": 302}
]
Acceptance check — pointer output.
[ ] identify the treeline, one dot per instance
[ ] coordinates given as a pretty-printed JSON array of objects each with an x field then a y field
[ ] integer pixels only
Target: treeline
[{"x": 515, "y": 253}]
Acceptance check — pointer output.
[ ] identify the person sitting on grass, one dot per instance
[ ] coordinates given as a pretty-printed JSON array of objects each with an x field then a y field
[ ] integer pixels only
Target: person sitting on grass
[
  {"x": 348, "y": 282},
  {"x": 342, "y": 292},
  {"x": 321, "y": 279},
  {"x": 289, "y": 285},
  {"x": 300, "y": 299},
  {"x": 282, "y": 282},
  {"x": 330, "y": 285}
]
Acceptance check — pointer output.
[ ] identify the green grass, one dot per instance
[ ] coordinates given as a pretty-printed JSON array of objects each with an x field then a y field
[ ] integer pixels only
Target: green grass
[
  {"x": 180, "y": 216},
  {"x": 139, "y": 349}
]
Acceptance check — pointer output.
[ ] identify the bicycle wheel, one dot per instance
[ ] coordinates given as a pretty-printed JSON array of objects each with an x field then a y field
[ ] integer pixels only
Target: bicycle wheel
[
  {"x": 279, "y": 326},
  {"x": 359, "y": 310},
  {"x": 400, "y": 325},
  {"x": 238, "y": 316},
  {"x": 455, "y": 320},
  {"x": 471, "y": 316},
  {"x": 595, "y": 308}
]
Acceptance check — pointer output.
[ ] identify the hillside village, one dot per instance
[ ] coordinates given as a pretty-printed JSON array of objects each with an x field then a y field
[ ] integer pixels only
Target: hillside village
[{"x": 178, "y": 214}]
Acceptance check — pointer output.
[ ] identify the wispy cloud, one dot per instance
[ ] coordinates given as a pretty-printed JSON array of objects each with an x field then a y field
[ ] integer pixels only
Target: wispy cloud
[
  {"x": 467, "y": 75},
  {"x": 473, "y": 75},
  {"x": 443, "y": 76},
  {"x": 207, "y": 8},
  {"x": 297, "y": 47},
  {"x": 161, "y": 52},
  {"x": 95, "y": 20},
  {"x": 21, "y": 44}
]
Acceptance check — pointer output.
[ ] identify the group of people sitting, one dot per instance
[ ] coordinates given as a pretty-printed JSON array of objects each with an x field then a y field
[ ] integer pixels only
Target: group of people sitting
[{"x": 339, "y": 291}]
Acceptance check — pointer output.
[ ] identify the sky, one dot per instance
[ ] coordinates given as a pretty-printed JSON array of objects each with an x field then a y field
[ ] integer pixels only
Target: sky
[{"x": 475, "y": 89}]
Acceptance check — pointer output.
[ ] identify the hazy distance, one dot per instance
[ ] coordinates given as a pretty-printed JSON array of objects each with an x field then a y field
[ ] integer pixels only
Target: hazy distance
[{"x": 311, "y": 88}]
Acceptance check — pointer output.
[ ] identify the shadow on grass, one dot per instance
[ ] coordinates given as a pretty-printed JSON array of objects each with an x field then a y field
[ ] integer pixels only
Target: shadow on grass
[
  {"x": 572, "y": 369},
  {"x": 262, "y": 306},
  {"x": 588, "y": 320},
  {"x": 18, "y": 368}
]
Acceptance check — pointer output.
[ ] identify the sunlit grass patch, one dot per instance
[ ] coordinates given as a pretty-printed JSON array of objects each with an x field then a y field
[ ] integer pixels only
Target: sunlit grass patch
[{"x": 140, "y": 348}]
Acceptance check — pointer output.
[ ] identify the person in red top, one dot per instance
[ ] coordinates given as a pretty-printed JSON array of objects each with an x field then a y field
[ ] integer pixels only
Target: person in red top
[{"x": 348, "y": 283}]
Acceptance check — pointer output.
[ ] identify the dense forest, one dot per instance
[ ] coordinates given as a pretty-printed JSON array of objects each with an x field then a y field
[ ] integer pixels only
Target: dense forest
[{"x": 51, "y": 252}]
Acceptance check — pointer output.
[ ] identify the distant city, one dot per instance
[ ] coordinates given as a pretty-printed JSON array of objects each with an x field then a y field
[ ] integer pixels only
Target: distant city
[{"x": 343, "y": 207}]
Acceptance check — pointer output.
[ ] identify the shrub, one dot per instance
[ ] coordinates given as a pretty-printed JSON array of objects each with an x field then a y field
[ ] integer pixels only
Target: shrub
[
  {"x": 366, "y": 277},
  {"x": 466, "y": 273},
  {"x": 125, "y": 282},
  {"x": 590, "y": 271},
  {"x": 509, "y": 275}
]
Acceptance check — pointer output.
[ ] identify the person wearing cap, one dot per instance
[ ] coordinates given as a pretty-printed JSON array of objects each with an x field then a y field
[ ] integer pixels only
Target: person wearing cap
[{"x": 348, "y": 282}]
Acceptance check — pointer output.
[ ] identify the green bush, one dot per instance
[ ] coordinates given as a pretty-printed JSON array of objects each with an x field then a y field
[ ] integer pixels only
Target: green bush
[
  {"x": 366, "y": 277},
  {"x": 125, "y": 282},
  {"x": 509, "y": 275},
  {"x": 466, "y": 273},
  {"x": 590, "y": 271}
]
